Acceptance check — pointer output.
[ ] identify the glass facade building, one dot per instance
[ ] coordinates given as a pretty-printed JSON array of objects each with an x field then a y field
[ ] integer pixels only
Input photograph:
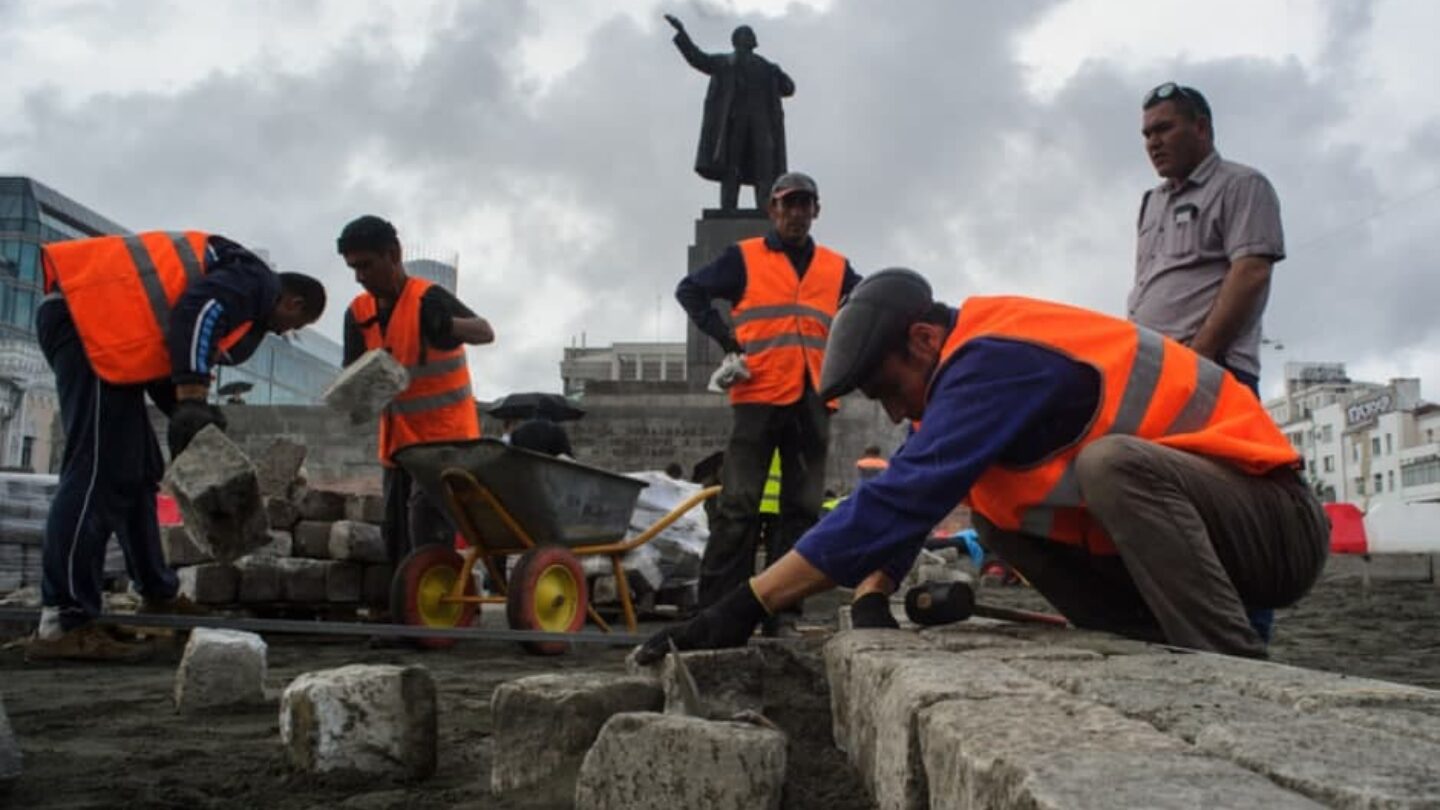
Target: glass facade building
[
  {"x": 443, "y": 273},
  {"x": 284, "y": 372},
  {"x": 33, "y": 214}
]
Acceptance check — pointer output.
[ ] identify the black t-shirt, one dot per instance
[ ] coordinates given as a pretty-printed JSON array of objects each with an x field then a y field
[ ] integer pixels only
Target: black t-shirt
[{"x": 438, "y": 308}]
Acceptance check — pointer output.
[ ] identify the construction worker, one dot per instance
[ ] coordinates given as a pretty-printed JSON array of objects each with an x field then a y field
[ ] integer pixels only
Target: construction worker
[
  {"x": 426, "y": 328},
  {"x": 783, "y": 290},
  {"x": 123, "y": 317},
  {"x": 870, "y": 464},
  {"x": 1139, "y": 487}
]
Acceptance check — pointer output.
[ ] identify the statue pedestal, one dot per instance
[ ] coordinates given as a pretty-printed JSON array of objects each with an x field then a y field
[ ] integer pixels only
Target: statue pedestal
[{"x": 715, "y": 230}]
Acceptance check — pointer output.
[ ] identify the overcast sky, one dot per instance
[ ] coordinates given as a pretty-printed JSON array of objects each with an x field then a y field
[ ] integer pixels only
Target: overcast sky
[{"x": 994, "y": 147}]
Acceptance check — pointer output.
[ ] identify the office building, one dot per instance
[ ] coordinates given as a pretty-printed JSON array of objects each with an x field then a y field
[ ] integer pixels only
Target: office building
[
  {"x": 31, "y": 214},
  {"x": 443, "y": 273},
  {"x": 639, "y": 362}
]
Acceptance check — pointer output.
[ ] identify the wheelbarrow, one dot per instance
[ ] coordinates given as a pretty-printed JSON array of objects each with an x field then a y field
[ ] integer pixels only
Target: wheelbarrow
[{"x": 506, "y": 501}]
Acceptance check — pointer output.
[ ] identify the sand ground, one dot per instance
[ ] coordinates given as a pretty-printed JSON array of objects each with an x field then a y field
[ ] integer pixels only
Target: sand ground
[{"x": 108, "y": 736}]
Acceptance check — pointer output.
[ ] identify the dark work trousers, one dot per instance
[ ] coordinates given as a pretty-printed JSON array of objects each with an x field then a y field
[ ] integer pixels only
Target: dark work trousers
[
  {"x": 1199, "y": 541},
  {"x": 109, "y": 475},
  {"x": 801, "y": 431},
  {"x": 411, "y": 518}
]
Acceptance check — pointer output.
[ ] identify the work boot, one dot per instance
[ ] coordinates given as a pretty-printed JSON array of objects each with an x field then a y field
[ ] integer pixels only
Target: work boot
[
  {"x": 88, "y": 642},
  {"x": 784, "y": 625},
  {"x": 177, "y": 605}
]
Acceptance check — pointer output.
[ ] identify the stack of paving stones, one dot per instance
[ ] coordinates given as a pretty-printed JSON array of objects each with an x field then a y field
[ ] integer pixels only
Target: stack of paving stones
[
  {"x": 325, "y": 555},
  {"x": 985, "y": 714}
]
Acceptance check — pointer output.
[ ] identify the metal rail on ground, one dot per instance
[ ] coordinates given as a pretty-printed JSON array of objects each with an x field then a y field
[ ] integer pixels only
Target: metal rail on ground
[{"x": 326, "y": 628}]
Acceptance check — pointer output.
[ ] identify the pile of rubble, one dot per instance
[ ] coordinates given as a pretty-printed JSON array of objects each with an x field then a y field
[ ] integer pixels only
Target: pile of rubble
[{"x": 322, "y": 548}]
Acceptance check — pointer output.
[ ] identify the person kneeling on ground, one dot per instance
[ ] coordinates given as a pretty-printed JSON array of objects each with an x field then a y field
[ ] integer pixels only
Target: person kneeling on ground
[{"x": 1138, "y": 486}]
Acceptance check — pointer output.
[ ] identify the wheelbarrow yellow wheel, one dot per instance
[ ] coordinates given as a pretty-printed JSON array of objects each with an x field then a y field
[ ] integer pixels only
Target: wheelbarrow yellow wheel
[
  {"x": 417, "y": 592},
  {"x": 547, "y": 592}
]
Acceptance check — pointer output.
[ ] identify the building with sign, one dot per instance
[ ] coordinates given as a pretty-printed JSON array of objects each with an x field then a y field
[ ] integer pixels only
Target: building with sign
[{"x": 1362, "y": 442}]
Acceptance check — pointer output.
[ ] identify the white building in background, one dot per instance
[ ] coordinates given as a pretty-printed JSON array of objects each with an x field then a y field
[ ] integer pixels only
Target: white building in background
[
  {"x": 638, "y": 362},
  {"x": 1362, "y": 442},
  {"x": 444, "y": 273}
]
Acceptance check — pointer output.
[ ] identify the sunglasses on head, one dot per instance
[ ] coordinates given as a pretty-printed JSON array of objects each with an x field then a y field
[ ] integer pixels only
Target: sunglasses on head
[{"x": 1170, "y": 90}]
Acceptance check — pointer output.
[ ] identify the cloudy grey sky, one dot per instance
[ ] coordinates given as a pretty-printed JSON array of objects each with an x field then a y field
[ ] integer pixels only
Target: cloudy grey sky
[{"x": 992, "y": 146}]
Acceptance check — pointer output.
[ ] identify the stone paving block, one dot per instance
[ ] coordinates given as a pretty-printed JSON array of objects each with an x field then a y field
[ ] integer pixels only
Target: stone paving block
[
  {"x": 1333, "y": 761},
  {"x": 1421, "y": 722},
  {"x": 840, "y": 653},
  {"x": 210, "y": 583},
  {"x": 365, "y": 508},
  {"x": 1093, "y": 780},
  {"x": 370, "y": 719},
  {"x": 218, "y": 492},
  {"x": 727, "y": 682},
  {"x": 259, "y": 580},
  {"x": 1303, "y": 689},
  {"x": 357, "y": 542},
  {"x": 180, "y": 548},
  {"x": 1104, "y": 644},
  {"x": 302, "y": 580},
  {"x": 366, "y": 386},
  {"x": 1182, "y": 709},
  {"x": 888, "y": 695},
  {"x": 278, "y": 467},
  {"x": 282, "y": 513},
  {"x": 11, "y": 760},
  {"x": 651, "y": 761},
  {"x": 220, "y": 668},
  {"x": 343, "y": 582},
  {"x": 544, "y": 725},
  {"x": 312, "y": 539},
  {"x": 976, "y": 753},
  {"x": 282, "y": 544},
  {"x": 375, "y": 585},
  {"x": 321, "y": 504}
]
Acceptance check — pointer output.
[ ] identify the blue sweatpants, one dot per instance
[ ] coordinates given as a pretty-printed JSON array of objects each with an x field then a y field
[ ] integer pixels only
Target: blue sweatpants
[{"x": 109, "y": 476}]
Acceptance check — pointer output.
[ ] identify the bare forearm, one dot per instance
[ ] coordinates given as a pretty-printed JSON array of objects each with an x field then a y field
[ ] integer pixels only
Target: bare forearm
[
  {"x": 1243, "y": 290},
  {"x": 474, "y": 331},
  {"x": 789, "y": 580}
]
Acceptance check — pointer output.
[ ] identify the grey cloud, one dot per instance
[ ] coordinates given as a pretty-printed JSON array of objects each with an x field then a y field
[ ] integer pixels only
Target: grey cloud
[{"x": 908, "y": 116}]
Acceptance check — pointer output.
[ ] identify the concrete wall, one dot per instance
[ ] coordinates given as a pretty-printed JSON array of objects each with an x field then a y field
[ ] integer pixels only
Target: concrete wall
[{"x": 627, "y": 427}]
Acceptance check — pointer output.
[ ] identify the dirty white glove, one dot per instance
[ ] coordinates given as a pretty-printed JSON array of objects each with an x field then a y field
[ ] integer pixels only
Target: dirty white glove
[{"x": 732, "y": 370}]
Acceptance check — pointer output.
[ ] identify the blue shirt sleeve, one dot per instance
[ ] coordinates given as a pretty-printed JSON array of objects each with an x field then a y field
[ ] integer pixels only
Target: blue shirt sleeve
[
  {"x": 982, "y": 406},
  {"x": 723, "y": 278}
]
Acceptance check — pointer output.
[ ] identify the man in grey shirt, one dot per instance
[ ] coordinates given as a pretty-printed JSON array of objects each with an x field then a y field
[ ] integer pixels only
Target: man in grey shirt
[{"x": 1208, "y": 237}]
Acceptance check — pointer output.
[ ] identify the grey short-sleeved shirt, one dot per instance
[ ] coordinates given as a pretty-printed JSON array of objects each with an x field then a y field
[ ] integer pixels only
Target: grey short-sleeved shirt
[{"x": 1188, "y": 236}]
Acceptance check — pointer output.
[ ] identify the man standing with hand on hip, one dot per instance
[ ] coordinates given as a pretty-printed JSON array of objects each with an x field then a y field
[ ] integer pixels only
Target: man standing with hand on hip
[{"x": 783, "y": 290}]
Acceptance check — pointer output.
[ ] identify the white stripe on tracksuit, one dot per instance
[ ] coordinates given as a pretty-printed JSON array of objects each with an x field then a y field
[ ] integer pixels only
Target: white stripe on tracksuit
[{"x": 89, "y": 494}]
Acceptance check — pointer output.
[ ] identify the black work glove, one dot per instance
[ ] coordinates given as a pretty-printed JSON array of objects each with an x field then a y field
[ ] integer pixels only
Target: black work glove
[
  {"x": 872, "y": 611},
  {"x": 728, "y": 623},
  {"x": 190, "y": 417}
]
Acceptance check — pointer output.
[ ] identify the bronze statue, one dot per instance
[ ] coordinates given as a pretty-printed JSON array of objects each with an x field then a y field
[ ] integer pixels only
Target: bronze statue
[{"x": 742, "y": 133}]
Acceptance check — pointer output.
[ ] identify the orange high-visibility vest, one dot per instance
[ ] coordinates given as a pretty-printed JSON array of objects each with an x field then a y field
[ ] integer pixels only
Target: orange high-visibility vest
[
  {"x": 783, "y": 320},
  {"x": 438, "y": 405},
  {"x": 120, "y": 290},
  {"x": 1151, "y": 387}
]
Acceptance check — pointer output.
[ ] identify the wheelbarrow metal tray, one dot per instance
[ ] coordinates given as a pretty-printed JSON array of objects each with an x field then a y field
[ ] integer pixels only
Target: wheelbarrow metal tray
[{"x": 553, "y": 500}]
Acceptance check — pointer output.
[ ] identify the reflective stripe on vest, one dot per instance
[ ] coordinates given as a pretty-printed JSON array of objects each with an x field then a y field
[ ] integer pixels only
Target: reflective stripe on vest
[
  {"x": 770, "y": 498},
  {"x": 783, "y": 320},
  {"x": 438, "y": 405},
  {"x": 120, "y": 291},
  {"x": 1151, "y": 387}
]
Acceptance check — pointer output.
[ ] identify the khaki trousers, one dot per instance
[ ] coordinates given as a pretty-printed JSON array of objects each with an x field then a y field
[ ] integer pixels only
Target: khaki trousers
[{"x": 1199, "y": 541}]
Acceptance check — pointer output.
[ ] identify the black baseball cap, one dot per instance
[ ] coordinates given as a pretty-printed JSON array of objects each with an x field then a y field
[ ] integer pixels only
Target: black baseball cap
[{"x": 791, "y": 182}]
